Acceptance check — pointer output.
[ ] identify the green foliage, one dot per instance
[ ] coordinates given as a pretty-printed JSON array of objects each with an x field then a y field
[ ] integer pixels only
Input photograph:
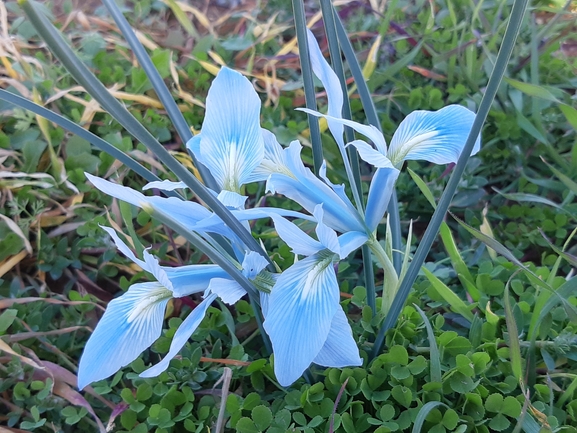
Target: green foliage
[{"x": 449, "y": 371}]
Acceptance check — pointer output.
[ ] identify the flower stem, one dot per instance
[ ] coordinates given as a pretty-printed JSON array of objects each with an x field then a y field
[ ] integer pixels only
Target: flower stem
[
  {"x": 513, "y": 27},
  {"x": 391, "y": 279}
]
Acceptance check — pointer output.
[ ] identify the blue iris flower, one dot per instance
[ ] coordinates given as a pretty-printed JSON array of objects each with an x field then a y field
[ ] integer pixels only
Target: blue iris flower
[
  {"x": 303, "y": 316},
  {"x": 434, "y": 136},
  {"x": 304, "y": 319},
  {"x": 133, "y": 321}
]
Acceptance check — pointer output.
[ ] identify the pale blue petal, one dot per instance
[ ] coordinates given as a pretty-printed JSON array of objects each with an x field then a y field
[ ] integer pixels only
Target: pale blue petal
[
  {"x": 123, "y": 248},
  {"x": 434, "y": 136},
  {"x": 301, "y": 307},
  {"x": 212, "y": 224},
  {"x": 190, "y": 279},
  {"x": 164, "y": 185},
  {"x": 181, "y": 336},
  {"x": 228, "y": 290},
  {"x": 340, "y": 349},
  {"x": 267, "y": 212},
  {"x": 332, "y": 85},
  {"x": 327, "y": 236},
  {"x": 231, "y": 200},
  {"x": 273, "y": 151},
  {"x": 252, "y": 264},
  {"x": 264, "y": 298},
  {"x": 193, "y": 145},
  {"x": 338, "y": 189},
  {"x": 118, "y": 191},
  {"x": 350, "y": 241},
  {"x": 308, "y": 191},
  {"x": 371, "y": 155},
  {"x": 130, "y": 324},
  {"x": 155, "y": 269},
  {"x": 295, "y": 238},
  {"x": 273, "y": 161},
  {"x": 187, "y": 213},
  {"x": 369, "y": 131},
  {"x": 380, "y": 191},
  {"x": 232, "y": 145}
]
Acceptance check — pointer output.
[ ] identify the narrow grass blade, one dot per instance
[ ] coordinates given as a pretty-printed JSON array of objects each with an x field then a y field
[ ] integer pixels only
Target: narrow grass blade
[
  {"x": 543, "y": 305},
  {"x": 567, "y": 181},
  {"x": 157, "y": 82},
  {"x": 373, "y": 119},
  {"x": 259, "y": 321},
  {"x": 80, "y": 72},
  {"x": 181, "y": 17},
  {"x": 394, "y": 69},
  {"x": 407, "y": 255},
  {"x": 541, "y": 92},
  {"x": 531, "y": 426},
  {"x": 522, "y": 416},
  {"x": 502, "y": 250},
  {"x": 308, "y": 83},
  {"x": 456, "y": 303},
  {"x": 449, "y": 242},
  {"x": 514, "y": 345},
  {"x": 569, "y": 392},
  {"x": 531, "y": 198},
  {"x": 559, "y": 296},
  {"x": 93, "y": 139},
  {"x": 458, "y": 264},
  {"x": 487, "y": 230},
  {"x": 423, "y": 187},
  {"x": 434, "y": 355},
  {"x": 571, "y": 259},
  {"x": 513, "y": 27},
  {"x": 423, "y": 413}
]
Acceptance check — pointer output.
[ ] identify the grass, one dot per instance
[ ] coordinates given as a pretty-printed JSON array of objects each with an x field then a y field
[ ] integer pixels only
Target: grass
[{"x": 58, "y": 270}]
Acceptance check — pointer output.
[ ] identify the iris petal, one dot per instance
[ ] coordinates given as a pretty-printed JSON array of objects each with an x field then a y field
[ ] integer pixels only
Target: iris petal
[
  {"x": 164, "y": 185},
  {"x": 232, "y": 200},
  {"x": 181, "y": 336},
  {"x": 301, "y": 307},
  {"x": 130, "y": 324},
  {"x": 273, "y": 161},
  {"x": 118, "y": 191},
  {"x": 350, "y": 241},
  {"x": 124, "y": 249},
  {"x": 369, "y": 131},
  {"x": 340, "y": 349},
  {"x": 231, "y": 146},
  {"x": 332, "y": 85},
  {"x": 187, "y": 213},
  {"x": 308, "y": 191},
  {"x": 252, "y": 264},
  {"x": 339, "y": 189},
  {"x": 295, "y": 238},
  {"x": 228, "y": 290},
  {"x": 327, "y": 236},
  {"x": 370, "y": 155},
  {"x": 190, "y": 279},
  {"x": 380, "y": 192},
  {"x": 156, "y": 270},
  {"x": 434, "y": 136}
]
